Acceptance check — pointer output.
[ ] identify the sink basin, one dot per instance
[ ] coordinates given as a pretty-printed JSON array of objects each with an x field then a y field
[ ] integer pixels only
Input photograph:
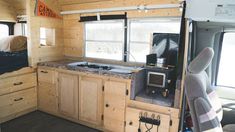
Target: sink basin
[
  {"x": 106, "y": 67},
  {"x": 123, "y": 71},
  {"x": 77, "y": 63},
  {"x": 90, "y": 65}
]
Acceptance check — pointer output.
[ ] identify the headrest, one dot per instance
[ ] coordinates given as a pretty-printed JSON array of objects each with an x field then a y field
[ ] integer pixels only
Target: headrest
[
  {"x": 202, "y": 61},
  {"x": 13, "y": 43}
]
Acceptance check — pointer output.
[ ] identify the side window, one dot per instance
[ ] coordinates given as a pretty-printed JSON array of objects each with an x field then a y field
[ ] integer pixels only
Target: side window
[
  {"x": 4, "y": 31},
  {"x": 20, "y": 29},
  {"x": 141, "y": 32},
  {"x": 104, "y": 39},
  {"x": 47, "y": 36},
  {"x": 226, "y": 67}
]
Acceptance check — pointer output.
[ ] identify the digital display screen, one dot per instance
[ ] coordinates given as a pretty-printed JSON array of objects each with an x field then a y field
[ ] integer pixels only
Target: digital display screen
[{"x": 155, "y": 79}]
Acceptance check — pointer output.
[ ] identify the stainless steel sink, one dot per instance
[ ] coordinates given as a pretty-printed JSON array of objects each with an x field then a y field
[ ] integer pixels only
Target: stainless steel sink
[
  {"x": 106, "y": 67},
  {"x": 91, "y": 65}
]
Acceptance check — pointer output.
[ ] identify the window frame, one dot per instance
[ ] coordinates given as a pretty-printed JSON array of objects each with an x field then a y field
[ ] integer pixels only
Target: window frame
[
  {"x": 219, "y": 57},
  {"x": 53, "y": 37},
  {"x": 85, "y": 40},
  {"x": 127, "y": 32},
  {"x": 10, "y": 26}
]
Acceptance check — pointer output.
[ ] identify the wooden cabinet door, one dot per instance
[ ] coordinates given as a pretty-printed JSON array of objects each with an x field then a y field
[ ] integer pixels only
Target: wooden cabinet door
[
  {"x": 47, "y": 97},
  {"x": 90, "y": 100},
  {"x": 68, "y": 95},
  {"x": 132, "y": 121},
  {"x": 114, "y": 105}
]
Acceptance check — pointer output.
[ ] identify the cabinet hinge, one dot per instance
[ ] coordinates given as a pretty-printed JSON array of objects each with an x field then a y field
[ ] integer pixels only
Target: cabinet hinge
[
  {"x": 170, "y": 122},
  {"x": 127, "y": 92},
  {"x": 103, "y": 88},
  {"x": 124, "y": 123},
  {"x": 102, "y": 117}
]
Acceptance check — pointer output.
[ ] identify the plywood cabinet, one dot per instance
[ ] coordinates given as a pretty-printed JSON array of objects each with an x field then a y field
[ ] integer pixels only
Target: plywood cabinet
[
  {"x": 114, "y": 105},
  {"x": 12, "y": 104},
  {"x": 17, "y": 83},
  {"x": 17, "y": 93},
  {"x": 68, "y": 95},
  {"x": 133, "y": 124},
  {"x": 90, "y": 100},
  {"x": 47, "y": 97},
  {"x": 46, "y": 75},
  {"x": 47, "y": 91}
]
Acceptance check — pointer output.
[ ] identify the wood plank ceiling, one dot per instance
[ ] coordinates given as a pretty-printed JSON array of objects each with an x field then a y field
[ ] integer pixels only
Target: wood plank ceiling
[
  {"x": 18, "y": 5},
  {"x": 70, "y": 2}
]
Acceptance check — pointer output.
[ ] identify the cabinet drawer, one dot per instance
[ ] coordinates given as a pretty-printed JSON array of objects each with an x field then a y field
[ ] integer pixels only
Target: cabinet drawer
[
  {"x": 12, "y": 84},
  {"x": 132, "y": 120},
  {"x": 17, "y": 102},
  {"x": 45, "y": 75}
]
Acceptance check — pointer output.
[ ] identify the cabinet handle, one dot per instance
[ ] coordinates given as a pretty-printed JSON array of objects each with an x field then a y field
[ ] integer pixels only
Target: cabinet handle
[
  {"x": 18, "y": 83},
  {"x": 18, "y": 99},
  {"x": 44, "y": 71},
  {"x": 107, "y": 105},
  {"x": 130, "y": 123}
]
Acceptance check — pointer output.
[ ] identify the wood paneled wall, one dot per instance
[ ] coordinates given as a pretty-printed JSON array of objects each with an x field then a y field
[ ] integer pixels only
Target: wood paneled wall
[
  {"x": 73, "y": 30},
  {"x": 19, "y": 5},
  {"x": 7, "y": 12},
  {"x": 38, "y": 53}
]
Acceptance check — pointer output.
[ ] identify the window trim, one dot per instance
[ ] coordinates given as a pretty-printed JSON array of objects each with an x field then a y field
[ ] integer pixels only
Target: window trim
[
  {"x": 127, "y": 31},
  {"x": 219, "y": 57},
  {"x": 103, "y": 17},
  {"x": 85, "y": 40},
  {"x": 10, "y": 26},
  {"x": 150, "y": 19}
]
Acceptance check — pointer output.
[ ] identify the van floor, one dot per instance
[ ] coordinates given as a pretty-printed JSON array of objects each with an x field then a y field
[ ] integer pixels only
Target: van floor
[{"x": 41, "y": 122}]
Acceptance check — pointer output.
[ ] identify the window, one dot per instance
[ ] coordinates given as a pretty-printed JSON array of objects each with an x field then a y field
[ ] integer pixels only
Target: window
[
  {"x": 4, "y": 31},
  {"x": 226, "y": 67},
  {"x": 43, "y": 36},
  {"x": 20, "y": 29},
  {"x": 47, "y": 36},
  {"x": 140, "y": 35},
  {"x": 104, "y": 39}
]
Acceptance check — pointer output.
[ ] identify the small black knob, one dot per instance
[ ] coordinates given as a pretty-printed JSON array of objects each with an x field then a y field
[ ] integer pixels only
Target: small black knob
[
  {"x": 130, "y": 123},
  {"x": 107, "y": 105}
]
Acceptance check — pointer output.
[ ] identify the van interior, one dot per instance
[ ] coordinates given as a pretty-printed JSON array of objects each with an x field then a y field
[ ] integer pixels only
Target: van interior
[{"x": 117, "y": 66}]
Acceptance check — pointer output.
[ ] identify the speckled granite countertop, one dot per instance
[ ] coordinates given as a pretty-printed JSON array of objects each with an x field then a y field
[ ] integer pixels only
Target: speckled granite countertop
[{"x": 63, "y": 64}]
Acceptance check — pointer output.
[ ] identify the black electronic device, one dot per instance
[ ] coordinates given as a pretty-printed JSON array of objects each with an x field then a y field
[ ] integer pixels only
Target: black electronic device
[
  {"x": 160, "y": 80},
  {"x": 151, "y": 59}
]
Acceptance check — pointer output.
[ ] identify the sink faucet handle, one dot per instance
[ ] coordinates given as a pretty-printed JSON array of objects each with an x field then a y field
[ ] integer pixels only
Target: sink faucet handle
[{"x": 128, "y": 52}]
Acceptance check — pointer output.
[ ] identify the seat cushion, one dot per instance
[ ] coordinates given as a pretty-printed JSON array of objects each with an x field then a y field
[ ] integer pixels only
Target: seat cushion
[{"x": 229, "y": 128}]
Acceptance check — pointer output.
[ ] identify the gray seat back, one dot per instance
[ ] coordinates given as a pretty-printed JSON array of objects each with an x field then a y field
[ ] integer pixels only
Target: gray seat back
[{"x": 205, "y": 108}]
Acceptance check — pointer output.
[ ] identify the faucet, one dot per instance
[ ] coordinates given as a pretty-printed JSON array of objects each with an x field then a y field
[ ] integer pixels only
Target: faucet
[{"x": 128, "y": 52}]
